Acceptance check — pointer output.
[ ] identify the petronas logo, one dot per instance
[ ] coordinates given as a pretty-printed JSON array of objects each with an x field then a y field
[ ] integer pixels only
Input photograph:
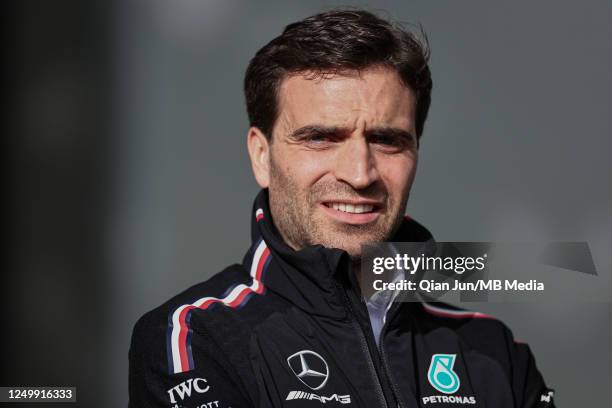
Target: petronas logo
[{"x": 441, "y": 375}]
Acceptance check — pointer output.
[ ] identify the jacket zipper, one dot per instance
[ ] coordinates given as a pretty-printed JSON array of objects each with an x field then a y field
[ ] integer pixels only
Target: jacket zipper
[
  {"x": 365, "y": 348},
  {"x": 383, "y": 359}
]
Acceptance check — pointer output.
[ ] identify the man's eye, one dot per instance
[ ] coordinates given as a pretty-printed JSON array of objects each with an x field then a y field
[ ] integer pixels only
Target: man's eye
[
  {"x": 386, "y": 140},
  {"x": 318, "y": 138},
  {"x": 392, "y": 142}
]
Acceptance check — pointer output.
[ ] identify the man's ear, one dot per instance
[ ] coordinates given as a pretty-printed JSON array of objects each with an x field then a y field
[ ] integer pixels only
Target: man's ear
[{"x": 259, "y": 152}]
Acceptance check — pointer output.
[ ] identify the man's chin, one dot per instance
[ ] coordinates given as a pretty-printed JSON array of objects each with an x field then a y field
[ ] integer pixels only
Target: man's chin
[
  {"x": 349, "y": 238},
  {"x": 354, "y": 249}
]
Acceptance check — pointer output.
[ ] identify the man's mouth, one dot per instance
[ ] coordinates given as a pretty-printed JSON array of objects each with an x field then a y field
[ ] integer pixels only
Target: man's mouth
[
  {"x": 352, "y": 212},
  {"x": 351, "y": 208}
]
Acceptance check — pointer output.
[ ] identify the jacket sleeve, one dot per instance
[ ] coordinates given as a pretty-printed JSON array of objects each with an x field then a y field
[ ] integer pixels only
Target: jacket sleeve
[
  {"x": 212, "y": 384},
  {"x": 529, "y": 385}
]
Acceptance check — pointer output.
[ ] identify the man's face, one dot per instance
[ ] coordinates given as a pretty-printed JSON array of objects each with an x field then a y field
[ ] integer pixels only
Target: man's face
[{"x": 342, "y": 159}]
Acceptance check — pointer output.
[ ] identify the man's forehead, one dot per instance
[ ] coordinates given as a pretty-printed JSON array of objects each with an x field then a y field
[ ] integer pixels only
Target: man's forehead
[{"x": 375, "y": 96}]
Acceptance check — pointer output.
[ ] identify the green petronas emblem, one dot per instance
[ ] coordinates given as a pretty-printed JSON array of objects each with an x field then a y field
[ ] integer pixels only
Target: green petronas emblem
[{"x": 441, "y": 375}]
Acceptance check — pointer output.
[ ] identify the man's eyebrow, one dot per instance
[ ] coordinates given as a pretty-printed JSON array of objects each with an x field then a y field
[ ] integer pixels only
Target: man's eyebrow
[
  {"x": 392, "y": 132},
  {"x": 309, "y": 130},
  {"x": 389, "y": 131}
]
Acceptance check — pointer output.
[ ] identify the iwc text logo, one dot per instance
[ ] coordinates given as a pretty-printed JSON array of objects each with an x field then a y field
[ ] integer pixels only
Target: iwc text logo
[{"x": 184, "y": 389}]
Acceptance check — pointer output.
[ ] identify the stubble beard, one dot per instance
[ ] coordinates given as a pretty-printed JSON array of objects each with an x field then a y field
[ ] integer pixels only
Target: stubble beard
[{"x": 300, "y": 225}]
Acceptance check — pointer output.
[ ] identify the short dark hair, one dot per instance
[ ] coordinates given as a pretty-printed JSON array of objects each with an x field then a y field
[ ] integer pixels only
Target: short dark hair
[{"x": 330, "y": 43}]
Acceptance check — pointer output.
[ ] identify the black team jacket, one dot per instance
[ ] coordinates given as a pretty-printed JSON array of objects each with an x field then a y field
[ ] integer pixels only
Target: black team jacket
[{"x": 289, "y": 328}]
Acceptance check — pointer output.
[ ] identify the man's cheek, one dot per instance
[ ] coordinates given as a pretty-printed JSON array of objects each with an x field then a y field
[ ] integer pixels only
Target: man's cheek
[
  {"x": 400, "y": 182},
  {"x": 312, "y": 163},
  {"x": 399, "y": 171}
]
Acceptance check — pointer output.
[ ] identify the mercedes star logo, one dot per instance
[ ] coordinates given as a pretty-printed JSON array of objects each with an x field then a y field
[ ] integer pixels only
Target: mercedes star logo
[{"x": 310, "y": 368}]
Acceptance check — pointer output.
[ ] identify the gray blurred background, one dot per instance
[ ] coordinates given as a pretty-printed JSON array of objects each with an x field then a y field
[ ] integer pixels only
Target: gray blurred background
[{"x": 130, "y": 179}]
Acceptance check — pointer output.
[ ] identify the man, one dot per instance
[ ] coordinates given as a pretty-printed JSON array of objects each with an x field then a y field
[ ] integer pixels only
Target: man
[{"x": 337, "y": 105}]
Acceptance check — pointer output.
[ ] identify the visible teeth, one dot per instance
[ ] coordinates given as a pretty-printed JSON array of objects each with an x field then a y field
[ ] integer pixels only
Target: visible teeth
[{"x": 350, "y": 208}]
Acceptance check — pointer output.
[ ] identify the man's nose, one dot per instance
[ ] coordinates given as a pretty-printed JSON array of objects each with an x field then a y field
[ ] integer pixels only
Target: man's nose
[{"x": 355, "y": 164}]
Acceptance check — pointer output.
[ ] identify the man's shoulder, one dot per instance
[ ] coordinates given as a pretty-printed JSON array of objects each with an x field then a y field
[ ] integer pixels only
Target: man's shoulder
[
  {"x": 475, "y": 332},
  {"x": 214, "y": 289},
  {"x": 486, "y": 342},
  {"x": 477, "y": 329},
  {"x": 171, "y": 360}
]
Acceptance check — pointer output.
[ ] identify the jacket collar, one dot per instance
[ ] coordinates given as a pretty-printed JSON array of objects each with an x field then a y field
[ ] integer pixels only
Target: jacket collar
[{"x": 312, "y": 277}]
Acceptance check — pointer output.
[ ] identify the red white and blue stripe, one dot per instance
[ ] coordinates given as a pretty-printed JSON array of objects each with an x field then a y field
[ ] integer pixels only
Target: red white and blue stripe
[
  {"x": 454, "y": 314},
  {"x": 180, "y": 357}
]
